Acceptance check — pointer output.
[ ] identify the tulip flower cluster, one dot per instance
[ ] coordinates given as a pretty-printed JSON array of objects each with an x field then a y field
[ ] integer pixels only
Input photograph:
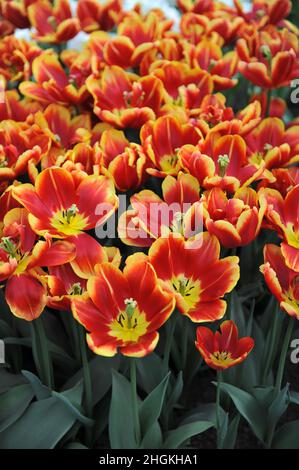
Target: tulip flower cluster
[{"x": 189, "y": 123}]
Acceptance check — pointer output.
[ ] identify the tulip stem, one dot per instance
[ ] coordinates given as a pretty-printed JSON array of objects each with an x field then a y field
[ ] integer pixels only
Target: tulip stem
[
  {"x": 41, "y": 354},
  {"x": 218, "y": 397},
  {"x": 169, "y": 340},
  {"x": 280, "y": 371},
  {"x": 87, "y": 381},
  {"x": 135, "y": 401},
  {"x": 185, "y": 339},
  {"x": 271, "y": 351},
  {"x": 269, "y": 96},
  {"x": 283, "y": 356}
]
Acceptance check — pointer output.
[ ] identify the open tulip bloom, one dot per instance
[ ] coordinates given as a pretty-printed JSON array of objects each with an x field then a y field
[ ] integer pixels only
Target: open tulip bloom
[{"x": 149, "y": 225}]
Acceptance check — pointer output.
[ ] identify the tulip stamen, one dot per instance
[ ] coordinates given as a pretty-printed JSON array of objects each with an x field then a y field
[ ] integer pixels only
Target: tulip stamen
[{"x": 222, "y": 355}]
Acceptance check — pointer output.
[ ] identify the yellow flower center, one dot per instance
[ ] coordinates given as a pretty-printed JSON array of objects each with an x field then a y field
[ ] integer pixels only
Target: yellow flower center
[
  {"x": 189, "y": 290},
  {"x": 169, "y": 162},
  {"x": 289, "y": 297},
  {"x": 222, "y": 358},
  {"x": 177, "y": 224},
  {"x": 69, "y": 221},
  {"x": 130, "y": 324}
]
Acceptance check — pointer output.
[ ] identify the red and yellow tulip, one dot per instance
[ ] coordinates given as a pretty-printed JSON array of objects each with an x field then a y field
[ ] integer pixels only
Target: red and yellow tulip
[
  {"x": 53, "y": 22},
  {"x": 236, "y": 221},
  {"x": 220, "y": 162},
  {"x": 123, "y": 99},
  {"x": 151, "y": 217},
  {"x": 282, "y": 215},
  {"x": 61, "y": 205},
  {"x": 269, "y": 58},
  {"x": 193, "y": 272},
  {"x": 51, "y": 83},
  {"x": 94, "y": 15},
  {"x": 20, "y": 146},
  {"x": 123, "y": 310},
  {"x": 223, "y": 349},
  {"x": 272, "y": 143},
  {"x": 281, "y": 280},
  {"x": 67, "y": 280},
  {"x": 21, "y": 259},
  {"x": 16, "y": 57},
  {"x": 162, "y": 139}
]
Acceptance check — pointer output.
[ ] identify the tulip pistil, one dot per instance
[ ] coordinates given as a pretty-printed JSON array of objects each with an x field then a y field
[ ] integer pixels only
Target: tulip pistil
[
  {"x": 70, "y": 213},
  {"x": 52, "y": 21},
  {"x": 76, "y": 289},
  {"x": 8, "y": 246},
  {"x": 223, "y": 162},
  {"x": 131, "y": 305}
]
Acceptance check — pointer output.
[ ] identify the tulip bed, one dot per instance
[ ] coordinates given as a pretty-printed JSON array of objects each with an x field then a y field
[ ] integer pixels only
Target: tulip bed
[{"x": 149, "y": 225}]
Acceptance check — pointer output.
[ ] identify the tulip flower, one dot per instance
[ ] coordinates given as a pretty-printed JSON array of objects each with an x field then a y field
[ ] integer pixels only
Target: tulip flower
[
  {"x": 53, "y": 23},
  {"x": 123, "y": 310},
  {"x": 61, "y": 206},
  {"x": 282, "y": 215},
  {"x": 15, "y": 12},
  {"x": 126, "y": 162},
  {"x": 236, "y": 221},
  {"x": 124, "y": 100},
  {"x": 207, "y": 55},
  {"x": 197, "y": 6},
  {"x": 274, "y": 144},
  {"x": 223, "y": 349},
  {"x": 151, "y": 217},
  {"x": 144, "y": 29},
  {"x": 194, "y": 27},
  {"x": 184, "y": 86},
  {"x": 265, "y": 12},
  {"x": 15, "y": 108},
  {"x": 220, "y": 162},
  {"x": 20, "y": 146},
  {"x": 21, "y": 259},
  {"x": 16, "y": 57},
  {"x": 162, "y": 139},
  {"x": 282, "y": 281},
  {"x": 67, "y": 280},
  {"x": 193, "y": 272},
  {"x": 63, "y": 130},
  {"x": 51, "y": 83},
  {"x": 269, "y": 59},
  {"x": 94, "y": 15},
  {"x": 285, "y": 180}
]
